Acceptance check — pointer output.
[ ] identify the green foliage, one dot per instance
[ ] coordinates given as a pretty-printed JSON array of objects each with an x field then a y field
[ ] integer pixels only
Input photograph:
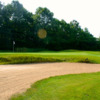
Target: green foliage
[
  {"x": 66, "y": 87},
  {"x": 29, "y": 49},
  {"x": 19, "y": 25}
]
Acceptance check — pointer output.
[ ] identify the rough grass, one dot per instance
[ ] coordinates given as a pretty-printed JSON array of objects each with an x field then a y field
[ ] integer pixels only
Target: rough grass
[
  {"x": 51, "y": 56},
  {"x": 67, "y": 87}
]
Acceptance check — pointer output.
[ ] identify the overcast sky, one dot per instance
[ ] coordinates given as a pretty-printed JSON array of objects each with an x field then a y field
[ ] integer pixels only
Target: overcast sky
[{"x": 86, "y": 12}]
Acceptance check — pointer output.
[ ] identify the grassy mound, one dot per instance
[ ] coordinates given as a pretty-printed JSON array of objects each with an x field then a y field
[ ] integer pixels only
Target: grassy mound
[
  {"x": 50, "y": 56},
  {"x": 67, "y": 87}
]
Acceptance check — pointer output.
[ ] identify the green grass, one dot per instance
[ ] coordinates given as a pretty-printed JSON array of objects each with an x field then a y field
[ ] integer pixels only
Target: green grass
[
  {"x": 50, "y": 56},
  {"x": 67, "y": 87}
]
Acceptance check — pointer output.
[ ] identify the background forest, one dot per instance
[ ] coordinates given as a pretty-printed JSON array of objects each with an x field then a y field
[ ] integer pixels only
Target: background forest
[{"x": 19, "y": 25}]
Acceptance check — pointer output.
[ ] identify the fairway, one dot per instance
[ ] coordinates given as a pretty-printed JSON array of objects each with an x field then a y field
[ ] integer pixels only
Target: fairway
[
  {"x": 51, "y": 56},
  {"x": 67, "y": 87},
  {"x": 18, "y": 78}
]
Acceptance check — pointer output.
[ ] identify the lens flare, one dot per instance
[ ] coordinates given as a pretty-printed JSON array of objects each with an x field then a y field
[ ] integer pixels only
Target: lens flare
[{"x": 42, "y": 33}]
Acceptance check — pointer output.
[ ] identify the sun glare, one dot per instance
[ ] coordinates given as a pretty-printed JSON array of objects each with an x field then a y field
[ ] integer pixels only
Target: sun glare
[{"x": 42, "y": 33}]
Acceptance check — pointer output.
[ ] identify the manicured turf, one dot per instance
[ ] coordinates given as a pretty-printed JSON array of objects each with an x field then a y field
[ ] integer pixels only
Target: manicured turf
[
  {"x": 67, "y": 87},
  {"x": 50, "y": 56}
]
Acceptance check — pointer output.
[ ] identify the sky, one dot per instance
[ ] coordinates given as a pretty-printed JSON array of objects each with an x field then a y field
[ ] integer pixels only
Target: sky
[{"x": 86, "y": 12}]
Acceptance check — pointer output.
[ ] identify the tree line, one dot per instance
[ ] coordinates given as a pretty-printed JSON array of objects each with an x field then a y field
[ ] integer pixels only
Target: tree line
[{"x": 19, "y": 25}]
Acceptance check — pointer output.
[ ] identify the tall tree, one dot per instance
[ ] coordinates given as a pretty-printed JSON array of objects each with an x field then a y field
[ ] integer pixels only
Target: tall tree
[{"x": 22, "y": 23}]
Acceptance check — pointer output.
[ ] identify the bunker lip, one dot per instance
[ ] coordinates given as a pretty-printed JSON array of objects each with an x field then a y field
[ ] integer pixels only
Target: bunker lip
[{"x": 17, "y": 78}]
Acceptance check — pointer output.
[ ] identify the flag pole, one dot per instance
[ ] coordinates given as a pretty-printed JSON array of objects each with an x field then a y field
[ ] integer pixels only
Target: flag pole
[{"x": 13, "y": 46}]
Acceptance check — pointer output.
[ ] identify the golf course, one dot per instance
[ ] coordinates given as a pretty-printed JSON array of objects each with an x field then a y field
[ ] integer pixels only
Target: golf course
[
  {"x": 49, "y": 50},
  {"x": 19, "y": 71}
]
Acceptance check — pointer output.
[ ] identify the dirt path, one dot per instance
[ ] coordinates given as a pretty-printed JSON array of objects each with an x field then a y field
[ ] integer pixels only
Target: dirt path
[{"x": 17, "y": 78}]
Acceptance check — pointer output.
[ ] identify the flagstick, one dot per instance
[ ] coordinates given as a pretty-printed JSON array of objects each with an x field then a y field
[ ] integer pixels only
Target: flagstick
[{"x": 13, "y": 45}]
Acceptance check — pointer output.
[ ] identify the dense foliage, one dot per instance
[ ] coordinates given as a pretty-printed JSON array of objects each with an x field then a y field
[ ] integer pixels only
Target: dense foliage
[{"x": 19, "y": 25}]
